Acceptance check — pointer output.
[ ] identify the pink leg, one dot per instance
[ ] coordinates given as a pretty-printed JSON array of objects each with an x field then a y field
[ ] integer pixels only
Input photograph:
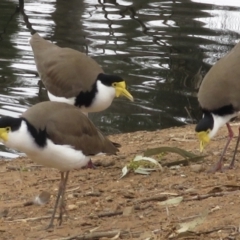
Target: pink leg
[
  {"x": 219, "y": 164},
  {"x": 90, "y": 165},
  {"x": 60, "y": 190},
  {"x": 235, "y": 151},
  {"x": 62, "y": 205}
]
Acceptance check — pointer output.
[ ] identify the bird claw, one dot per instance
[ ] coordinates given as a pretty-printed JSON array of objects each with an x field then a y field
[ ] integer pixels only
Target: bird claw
[
  {"x": 231, "y": 166},
  {"x": 89, "y": 165},
  {"x": 220, "y": 167},
  {"x": 216, "y": 168},
  {"x": 49, "y": 227}
]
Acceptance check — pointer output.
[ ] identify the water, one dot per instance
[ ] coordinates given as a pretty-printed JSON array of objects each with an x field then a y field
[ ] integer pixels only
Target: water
[{"x": 161, "y": 48}]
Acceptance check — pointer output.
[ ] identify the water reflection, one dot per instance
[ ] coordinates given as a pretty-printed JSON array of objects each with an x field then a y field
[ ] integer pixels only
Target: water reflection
[{"x": 162, "y": 49}]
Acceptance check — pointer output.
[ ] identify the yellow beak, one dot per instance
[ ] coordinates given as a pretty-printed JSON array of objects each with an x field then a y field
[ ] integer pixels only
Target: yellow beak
[
  {"x": 3, "y": 134},
  {"x": 120, "y": 88},
  {"x": 204, "y": 139}
]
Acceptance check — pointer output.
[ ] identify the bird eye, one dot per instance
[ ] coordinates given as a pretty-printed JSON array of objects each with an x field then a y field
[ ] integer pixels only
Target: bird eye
[
  {"x": 114, "y": 84},
  {"x": 8, "y": 129}
]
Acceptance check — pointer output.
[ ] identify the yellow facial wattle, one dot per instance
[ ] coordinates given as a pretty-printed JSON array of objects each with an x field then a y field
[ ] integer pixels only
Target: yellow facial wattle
[
  {"x": 204, "y": 139},
  {"x": 121, "y": 90},
  {"x": 4, "y": 133}
]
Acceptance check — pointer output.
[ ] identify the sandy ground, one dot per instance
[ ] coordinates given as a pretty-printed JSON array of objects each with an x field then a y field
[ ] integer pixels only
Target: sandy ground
[{"x": 100, "y": 206}]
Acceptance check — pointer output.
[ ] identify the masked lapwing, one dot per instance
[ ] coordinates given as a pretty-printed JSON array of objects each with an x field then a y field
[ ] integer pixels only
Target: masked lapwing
[
  {"x": 219, "y": 98},
  {"x": 55, "y": 135},
  {"x": 75, "y": 78}
]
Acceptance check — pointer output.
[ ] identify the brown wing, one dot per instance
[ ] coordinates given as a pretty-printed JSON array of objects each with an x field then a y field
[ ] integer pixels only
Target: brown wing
[
  {"x": 221, "y": 85},
  {"x": 39, "y": 114},
  {"x": 71, "y": 127},
  {"x": 67, "y": 125},
  {"x": 65, "y": 72}
]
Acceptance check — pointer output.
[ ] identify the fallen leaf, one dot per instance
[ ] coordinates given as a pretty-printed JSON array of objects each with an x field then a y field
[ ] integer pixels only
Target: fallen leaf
[
  {"x": 173, "y": 201},
  {"x": 116, "y": 236},
  {"x": 124, "y": 172},
  {"x": 189, "y": 226},
  {"x": 94, "y": 229},
  {"x": 182, "y": 152},
  {"x": 140, "y": 165}
]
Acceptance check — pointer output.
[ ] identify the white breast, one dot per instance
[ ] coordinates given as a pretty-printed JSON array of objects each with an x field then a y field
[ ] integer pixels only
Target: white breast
[
  {"x": 103, "y": 99},
  {"x": 219, "y": 121},
  {"x": 62, "y": 157},
  {"x": 61, "y": 99}
]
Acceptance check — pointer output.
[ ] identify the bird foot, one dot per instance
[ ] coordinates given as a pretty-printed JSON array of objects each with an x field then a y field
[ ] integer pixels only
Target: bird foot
[
  {"x": 231, "y": 166},
  {"x": 216, "y": 168},
  {"x": 90, "y": 165},
  {"x": 49, "y": 227},
  {"x": 219, "y": 167}
]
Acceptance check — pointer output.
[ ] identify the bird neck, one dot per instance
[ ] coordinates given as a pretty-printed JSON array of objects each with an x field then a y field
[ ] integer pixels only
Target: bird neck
[
  {"x": 39, "y": 135},
  {"x": 84, "y": 99},
  {"x": 219, "y": 121},
  {"x": 26, "y": 137},
  {"x": 98, "y": 99}
]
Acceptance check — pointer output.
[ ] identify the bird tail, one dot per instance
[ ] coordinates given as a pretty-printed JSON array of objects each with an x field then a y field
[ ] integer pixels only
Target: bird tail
[{"x": 117, "y": 145}]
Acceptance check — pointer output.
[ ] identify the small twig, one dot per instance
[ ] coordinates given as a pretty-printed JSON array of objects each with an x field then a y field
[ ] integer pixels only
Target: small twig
[
  {"x": 110, "y": 214},
  {"x": 154, "y": 198},
  {"x": 167, "y": 211},
  {"x": 32, "y": 219},
  {"x": 137, "y": 207},
  {"x": 204, "y": 196},
  {"x": 51, "y": 179},
  {"x": 182, "y": 140},
  {"x": 91, "y": 194},
  {"x": 8, "y": 22},
  {"x": 215, "y": 230},
  {"x": 72, "y": 189},
  {"x": 14, "y": 168},
  {"x": 98, "y": 235},
  {"x": 189, "y": 115},
  {"x": 184, "y": 219},
  {"x": 25, "y": 17},
  {"x": 28, "y": 203}
]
